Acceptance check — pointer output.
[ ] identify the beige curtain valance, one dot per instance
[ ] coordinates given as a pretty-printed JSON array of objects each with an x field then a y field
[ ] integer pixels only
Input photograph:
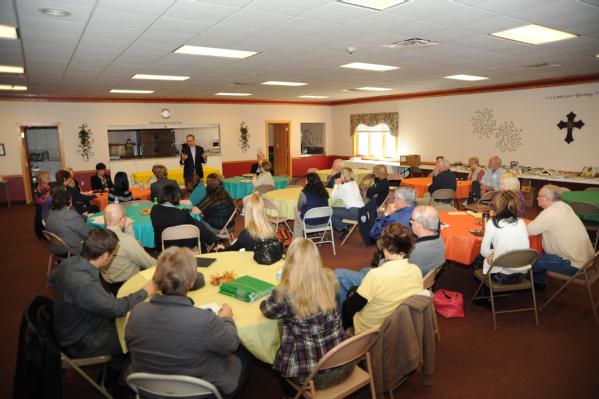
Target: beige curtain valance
[{"x": 370, "y": 120}]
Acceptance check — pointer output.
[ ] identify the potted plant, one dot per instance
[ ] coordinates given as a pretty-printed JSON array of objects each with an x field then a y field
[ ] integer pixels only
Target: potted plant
[
  {"x": 86, "y": 140},
  {"x": 244, "y": 137}
]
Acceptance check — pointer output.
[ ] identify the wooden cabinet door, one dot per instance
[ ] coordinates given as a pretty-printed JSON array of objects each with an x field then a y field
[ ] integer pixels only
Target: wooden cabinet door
[{"x": 281, "y": 149}]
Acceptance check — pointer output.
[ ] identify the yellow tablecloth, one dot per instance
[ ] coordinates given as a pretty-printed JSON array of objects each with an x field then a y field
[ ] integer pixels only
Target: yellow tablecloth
[
  {"x": 258, "y": 334},
  {"x": 286, "y": 200},
  {"x": 358, "y": 174},
  {"x": 176, "y": 174}
]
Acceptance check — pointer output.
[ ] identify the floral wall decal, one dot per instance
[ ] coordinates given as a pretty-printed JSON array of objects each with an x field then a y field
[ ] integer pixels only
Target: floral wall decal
[
  {"x": 244, "y": 137},
  {"x": 86, "y": 141},
  {"x": 508, "y": 136}
]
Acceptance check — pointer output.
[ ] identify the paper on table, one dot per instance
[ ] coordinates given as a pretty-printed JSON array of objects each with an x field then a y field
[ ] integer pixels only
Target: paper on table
[
  {"x": 456, "y": 213},
  {"x": 211, "y": 306},
  {"x": 444, "y": 226},
  {"x": 245, "y": 181},
  {"x": 475, "y": 214},
  {"x": 98, "y": 219}
]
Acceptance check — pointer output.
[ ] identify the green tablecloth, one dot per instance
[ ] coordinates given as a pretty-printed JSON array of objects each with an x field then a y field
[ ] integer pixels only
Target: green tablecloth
[
  {"x": 238, "y": 190},
  {"x": 142, "y": 225},
  {"x": 583, "y": 196}
]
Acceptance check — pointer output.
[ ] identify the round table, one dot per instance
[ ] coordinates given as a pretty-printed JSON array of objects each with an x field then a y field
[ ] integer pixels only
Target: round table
[
  {"x": 359, "y": 174},
  {"x": 463, "y": 247},
  {"x": 583, "y": 196},
  {"x": 175, "y": 174},
  {"x": 142, "y": 224},
  {"x": 101, "y": 200},
  {"x": 286, "y": 200},
  {"x": 420, "y": 184},
  {"x": 239, "y": 187},
  {"x": 257, "y": 333}
]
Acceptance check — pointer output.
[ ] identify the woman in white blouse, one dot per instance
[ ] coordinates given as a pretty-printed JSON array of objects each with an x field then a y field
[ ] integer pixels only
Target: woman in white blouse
[
  {"x": 265, "y": 177},
  {"x": 505, "y": 232},
  {"x": 347, "y": 192}
]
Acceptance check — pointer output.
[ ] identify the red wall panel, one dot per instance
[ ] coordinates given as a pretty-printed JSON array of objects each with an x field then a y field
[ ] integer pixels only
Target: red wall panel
[
  {"x": 237, "y": 168},
  {"x": 302, "y": 164}
]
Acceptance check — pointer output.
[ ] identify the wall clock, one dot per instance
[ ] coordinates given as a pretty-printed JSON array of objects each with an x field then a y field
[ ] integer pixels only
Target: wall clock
[{"x": 165, "y": 113}]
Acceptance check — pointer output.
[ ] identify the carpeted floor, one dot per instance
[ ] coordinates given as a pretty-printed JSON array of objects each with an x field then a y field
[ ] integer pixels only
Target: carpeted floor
[{"x": 558, "y": 359}]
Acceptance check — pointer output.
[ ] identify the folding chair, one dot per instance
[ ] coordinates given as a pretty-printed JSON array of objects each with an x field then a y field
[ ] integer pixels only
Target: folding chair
[
  {"x": 443, "y": 195},
  {"x": 264, "y": 189},
  {"x": 428, "y": 282},
  {"x": 355, "y": 223},
  {"x": 154, "y": 386},
  {"x": 509, "y": 260},
  {"x": 585, "y": 210},
  {"x": 316, "y": 213},
  {"x": 77, "y": 364},
  {"x": 483, "y": 204},
  {"x": 415, "y": 171},
  {"x": 227, "y": 232},
  {"x": 586, "y": 276},
  {"x": 274, "y": 215},
  {"x": 53, "y": 260},
  {"x": 350, "y": 350},
  {"x": 182, "y": 232}
]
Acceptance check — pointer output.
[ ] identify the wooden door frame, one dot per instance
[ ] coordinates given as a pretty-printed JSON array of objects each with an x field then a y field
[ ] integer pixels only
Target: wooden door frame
[
  {"x": 281, "y": 122},
  {"x": 25, "y": 154}
]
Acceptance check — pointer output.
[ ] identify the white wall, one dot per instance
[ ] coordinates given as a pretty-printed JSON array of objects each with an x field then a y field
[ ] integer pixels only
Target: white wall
[
  {"x": 100, "y": 115},
  {"x": 442, "y": 126}
]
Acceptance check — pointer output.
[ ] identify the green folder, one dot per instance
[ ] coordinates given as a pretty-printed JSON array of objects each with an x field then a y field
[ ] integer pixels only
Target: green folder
[{"x": 246, "y": 288}]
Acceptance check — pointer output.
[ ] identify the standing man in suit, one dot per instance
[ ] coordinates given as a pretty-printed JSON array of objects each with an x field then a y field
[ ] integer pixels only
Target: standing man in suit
[{"x": 192, "y": 158}]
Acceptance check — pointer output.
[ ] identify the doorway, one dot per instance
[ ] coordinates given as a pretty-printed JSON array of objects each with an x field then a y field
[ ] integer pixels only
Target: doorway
[
  {"x": 41, "y": 149},
  {"x": 278, "y": 145}
]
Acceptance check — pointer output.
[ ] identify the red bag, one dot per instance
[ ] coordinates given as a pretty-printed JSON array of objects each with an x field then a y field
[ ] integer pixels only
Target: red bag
[
  {"x": 449, "y": 304},
  {"x": 283, "y": 235}
]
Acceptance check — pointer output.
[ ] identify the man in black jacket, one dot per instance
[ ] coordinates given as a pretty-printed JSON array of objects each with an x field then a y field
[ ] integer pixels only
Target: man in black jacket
[
  {"x": 444, "y": 178},
  {"x": 192, "y": 158}
]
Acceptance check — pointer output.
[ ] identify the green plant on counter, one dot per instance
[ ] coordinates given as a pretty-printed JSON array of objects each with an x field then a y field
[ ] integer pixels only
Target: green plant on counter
[
  {"x": 86, "y": 141},
  {"x": 244, "y": 137}
]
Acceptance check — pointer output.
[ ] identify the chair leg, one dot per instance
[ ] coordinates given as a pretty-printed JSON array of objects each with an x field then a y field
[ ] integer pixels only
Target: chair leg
[
  {"x": 492, "y": 303},
  {"x": 555, "y": 294},
  {"x": 87, "y": 378},
  {"x": 349, "y": 233},
  {"x": 436, "y": 333},
  {"x": 477, "y": 291},
  {"x": 534, "y": 298},
  {"x": 590, "y": 291},
  {"x": 333, "y": 241},
  {"x": 369, "y": 368},
  {"x": 50, "y": 262}
]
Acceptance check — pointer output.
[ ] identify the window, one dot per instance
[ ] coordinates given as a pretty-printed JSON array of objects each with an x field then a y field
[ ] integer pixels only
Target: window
[
  {"x": 375, "y": 142},
  {"x": 313, "y": 138}
]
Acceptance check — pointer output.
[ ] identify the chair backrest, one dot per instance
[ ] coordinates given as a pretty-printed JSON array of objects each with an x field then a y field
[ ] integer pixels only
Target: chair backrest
[
  {"x": 443, "y": 194},
  {"x": 227, "y": 225},
  {"x": 320, "y": 212},
  {"x": 585, "y": 208},
  {"x": 266, "y": 188},
  {"x": 53, "y": 239},
  {"x": 171, "y": 386},
  {"x": 516, "y": 258},
  {"x": 593, "y": 188},
  {"x": 415, "y": 171},
  {"x": 429, "y": 278},
  {"x": 487, "y": 198},
  {"x": 181, "y": 232}
]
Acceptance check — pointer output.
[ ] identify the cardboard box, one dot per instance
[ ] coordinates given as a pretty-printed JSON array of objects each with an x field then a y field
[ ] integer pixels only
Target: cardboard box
[{"x": 413, "y": 160}]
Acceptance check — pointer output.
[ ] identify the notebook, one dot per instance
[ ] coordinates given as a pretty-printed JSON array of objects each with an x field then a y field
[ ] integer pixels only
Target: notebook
[
  {"x": 246, "y": 288},
  {"x": 204, "y": 262}
]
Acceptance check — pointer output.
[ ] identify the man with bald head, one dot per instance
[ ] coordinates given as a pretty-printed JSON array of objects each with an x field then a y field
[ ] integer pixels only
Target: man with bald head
[
  {"x": 335, "y": 172},
  {"x": 130, "y": 257},
  {"x": 490, "y": 181},
  {"x": 429, "y": 249}
]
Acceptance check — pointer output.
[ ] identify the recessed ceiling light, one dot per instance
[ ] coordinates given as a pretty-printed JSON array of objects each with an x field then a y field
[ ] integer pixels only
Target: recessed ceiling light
[
  {"x": 466, "y": 77},
  {"x": 13, "y": 87},
  {"x": 159, "y": 77},
  {"x": 126, "y": 91},
  {"x": 368, "y": 88},
  {"x": 8, "y": 32},
  {"x": 11, "y": 69},
  {"x": 374, "y": 4},
  {"x": 280, "y": 83},
  {"x": 215, "y": 52},
  {"x": 533, "y": 34},
  {"x": 596, "y": 55},
  {"x": 233, "y": 94},
  {"x": 369, "y": 67},
  {"x": 55, "y": 12},
  {"x": 311, "y": 96}
]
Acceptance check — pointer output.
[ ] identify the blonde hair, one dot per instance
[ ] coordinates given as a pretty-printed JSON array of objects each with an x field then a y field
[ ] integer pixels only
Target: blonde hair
[
  {"x": 312, "y": 170},
  {"x": 474, "y": 159},
  {"x": 160, "y": 170},
  {"x": 266, "y": 166},
  {"x": 256, "y": 221},
  {"x": 305, "y": 283},
  {"x": 347, "y": 174},
  {"x": 509, "y": 181},
  {"x": 380, "y": 171},
  {"x": 42, "y": 173},
  {"x": 70, "y": 170}
]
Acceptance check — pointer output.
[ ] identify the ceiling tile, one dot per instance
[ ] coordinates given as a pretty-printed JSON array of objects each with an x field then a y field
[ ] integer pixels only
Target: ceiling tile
[
  {"x": 118, "y": 18},
  {"x": 339, "y": 13},
  {"x": 255, "y": 19},
  {"x": 154, "y": 7},
  {"x": 294, "y": 8},
  {"x": 199, "y": 11}
]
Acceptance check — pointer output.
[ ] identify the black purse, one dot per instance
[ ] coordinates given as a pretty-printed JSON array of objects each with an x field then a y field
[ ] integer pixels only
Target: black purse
[{"x": 269, "y": 251}]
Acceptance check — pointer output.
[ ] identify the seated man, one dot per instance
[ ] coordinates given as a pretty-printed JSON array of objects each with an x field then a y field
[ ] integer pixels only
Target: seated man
[
  {"x": 490, "y": 181},
  {"x": 435, "y": 170},
  {"x": 130, "y": 257},
  {"x": 257, "y": 167},
  {"x": 162, "y": 180},
  {"x": 566, "y": 243},
  {"x": 65, "y": 223},
  {"x": 101, "y": 180},
  {"x": 397, "y": 211},
  {"x": 84, "y": 312},
  {"x": 335, "y": 172},
  {"x": 169, "y": 335},
  {"x": 429, "y": 249},
  {"x": 444, "y": 179}
]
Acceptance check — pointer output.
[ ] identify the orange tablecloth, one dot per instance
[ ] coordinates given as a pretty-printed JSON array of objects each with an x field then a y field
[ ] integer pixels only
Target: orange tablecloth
[
  {"x": 101, "y": 199},
  {"x": 463, "y": 247},
  {"x": 420, "y": 184}
]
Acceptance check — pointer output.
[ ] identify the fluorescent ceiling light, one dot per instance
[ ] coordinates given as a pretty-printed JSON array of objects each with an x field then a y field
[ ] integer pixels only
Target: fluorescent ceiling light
[
  {"x": 368, "y": 88},
  {"x": 8, "y": 32},
  {"x": 469, "y": 78},
  {"x": 374, "y": 4},
  {"x": 233, "y": 94},
  {"x": 126, "y": 91},
  {"x": 54, "y": 12},
  {"x": 369, "y": 67},
  {"x": 280, "y": 83},
  {"x": 310, "y": 96},
  {"x": 159, "y": 77},
  {"x": 13, "y": 87},
  {"x": 533, "y": 34},
  {"x": 11, "y": 69},
  {"x": 214, "y": 52}
]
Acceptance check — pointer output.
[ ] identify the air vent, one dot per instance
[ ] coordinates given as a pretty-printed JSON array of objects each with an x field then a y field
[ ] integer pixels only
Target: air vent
[
  {"x": 543, "y": 65},
  {"x": 411, "y": 43}
]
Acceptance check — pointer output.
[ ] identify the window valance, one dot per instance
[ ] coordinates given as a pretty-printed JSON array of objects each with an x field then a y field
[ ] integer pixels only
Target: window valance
[{"x": 389, "y": 118}]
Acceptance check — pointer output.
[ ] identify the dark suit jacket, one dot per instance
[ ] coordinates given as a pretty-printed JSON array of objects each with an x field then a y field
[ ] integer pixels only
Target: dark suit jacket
[
  {"x": 189, "y": 166},
  {"x": 96, "y": 183},
  {"x": 157, "y": 187},
  {"x": 254, "y": 169},
  {"x": 163, "y": 216},
  {"x": 445, "y": 179},
  {"x": 68, "y": 225}
]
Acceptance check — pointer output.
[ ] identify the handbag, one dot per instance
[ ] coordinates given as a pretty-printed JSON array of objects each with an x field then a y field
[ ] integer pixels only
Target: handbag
[
  {"x": 269, "y": 251},
  {"x": 449, "y": 304}
]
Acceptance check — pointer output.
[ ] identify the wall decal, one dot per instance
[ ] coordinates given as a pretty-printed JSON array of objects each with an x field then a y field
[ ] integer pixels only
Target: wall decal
[
  {"x": 508, "y": 136},
  {"x": 570, "y": 125}
]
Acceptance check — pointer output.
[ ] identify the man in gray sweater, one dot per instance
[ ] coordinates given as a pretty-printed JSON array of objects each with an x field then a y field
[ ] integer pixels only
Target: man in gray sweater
[{"x": 429, "y": 250}]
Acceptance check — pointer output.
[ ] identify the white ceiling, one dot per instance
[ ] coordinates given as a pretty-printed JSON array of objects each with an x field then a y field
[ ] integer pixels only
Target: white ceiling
[{"x": 104, "y": 42}]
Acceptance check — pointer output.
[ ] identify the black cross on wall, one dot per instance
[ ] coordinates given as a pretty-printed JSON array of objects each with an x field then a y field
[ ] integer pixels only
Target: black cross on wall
[{"x": 570, "y": 125}]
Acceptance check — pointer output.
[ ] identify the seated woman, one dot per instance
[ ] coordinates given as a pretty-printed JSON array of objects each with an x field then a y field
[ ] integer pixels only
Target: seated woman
[
  {"x": 257, "y": 226},
  {"x": 195, "y": 189},
  {"x": 314, "y": 195},
  {"x": 120, "y": 191},
  {"x": 264, "y": 178},
  {"x": 166, "y": 214},
  {"x": 65, "y": 223},
  {"x": 81, "y": 202},
  {"x": 380, "y": 187},
  {"x": 101, "y": 180},
  {"x": 384, "y": 288},
  {"x": 509, "y": 182},
  {"x": 41, "y": 194},
  {"x": 168, "y": 335},
  {"x": 305, "y": 301},
  {"x": 347, "y": 192},
  {"x": 217, "y": 206},
  {"x": 475, "y": 172},
  {"x": 76, "y": 182}
]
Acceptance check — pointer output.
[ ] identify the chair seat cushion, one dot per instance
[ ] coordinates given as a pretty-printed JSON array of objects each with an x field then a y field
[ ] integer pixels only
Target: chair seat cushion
[{"x": 356, "y": 380}]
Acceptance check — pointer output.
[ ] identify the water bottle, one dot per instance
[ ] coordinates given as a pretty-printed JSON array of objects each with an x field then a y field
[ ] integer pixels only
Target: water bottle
[
  {"x": 486, "y": 217},
  {"x": 116, "y": 199},
  {"x": 155, "y": 200}
]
